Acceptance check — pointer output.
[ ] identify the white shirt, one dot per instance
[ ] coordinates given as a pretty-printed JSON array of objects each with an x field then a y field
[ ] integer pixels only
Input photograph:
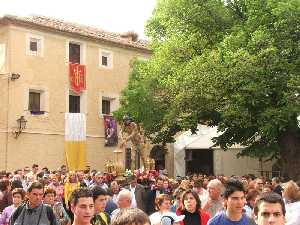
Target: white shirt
[
  {"x": 133, "y": 200},
  {"x": 203, "y": 196},
  {"x": 155, "y": 218},
  {"x": 292, "y": 215}
]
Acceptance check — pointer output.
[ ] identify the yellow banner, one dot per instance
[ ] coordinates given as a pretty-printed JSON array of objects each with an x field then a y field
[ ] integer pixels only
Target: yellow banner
[{"x": 75, "y": 155}]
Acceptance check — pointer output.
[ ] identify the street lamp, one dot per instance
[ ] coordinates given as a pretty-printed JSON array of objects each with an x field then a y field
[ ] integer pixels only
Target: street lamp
[
  {"x": 14, "y": 76},
  {"x": 21, "y": 126}
]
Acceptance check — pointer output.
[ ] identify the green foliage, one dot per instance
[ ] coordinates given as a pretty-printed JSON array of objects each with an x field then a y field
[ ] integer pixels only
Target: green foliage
[{"x": 234, "y": 64}]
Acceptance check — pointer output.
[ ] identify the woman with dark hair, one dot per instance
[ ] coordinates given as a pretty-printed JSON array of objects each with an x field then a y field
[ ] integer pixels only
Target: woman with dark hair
[{"x": 191, "y": 208}]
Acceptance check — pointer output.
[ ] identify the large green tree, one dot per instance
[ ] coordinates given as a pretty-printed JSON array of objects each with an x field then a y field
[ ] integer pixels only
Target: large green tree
[{"x": 233, "y": 64}]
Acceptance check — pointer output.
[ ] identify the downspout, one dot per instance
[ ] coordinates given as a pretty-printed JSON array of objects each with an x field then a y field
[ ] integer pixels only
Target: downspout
[{"x": 7, "y": 127}]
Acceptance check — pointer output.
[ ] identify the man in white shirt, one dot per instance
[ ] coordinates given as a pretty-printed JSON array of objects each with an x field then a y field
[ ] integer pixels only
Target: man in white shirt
[
  {"x": 138, "y": 194},
  {"x": 215, "y": 201},
  {"x": 124, "y": 200}
]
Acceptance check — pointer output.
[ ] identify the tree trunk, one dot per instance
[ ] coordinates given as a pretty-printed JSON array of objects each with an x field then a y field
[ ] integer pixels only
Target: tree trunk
[{"x": 289, "y": 142}]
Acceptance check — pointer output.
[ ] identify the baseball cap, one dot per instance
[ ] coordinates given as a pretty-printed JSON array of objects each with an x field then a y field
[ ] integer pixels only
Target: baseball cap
[{"x": 170, "y": 218}]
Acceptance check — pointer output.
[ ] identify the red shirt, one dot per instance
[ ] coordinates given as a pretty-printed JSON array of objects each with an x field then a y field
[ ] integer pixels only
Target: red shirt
[{"x": 203, "y": 215}]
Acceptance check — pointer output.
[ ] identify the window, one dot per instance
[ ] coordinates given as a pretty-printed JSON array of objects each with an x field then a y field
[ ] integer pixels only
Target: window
[
  {"x": 74, "y": 104},
  {"x": 34, "y": 102},
  {"x": 105, "y": 106},
  {"x": 74, "y": 53},
  {"x": 108, "y": 103},
  {"x": 106, "y": 58},
  {"x": 34, "y": 45}
]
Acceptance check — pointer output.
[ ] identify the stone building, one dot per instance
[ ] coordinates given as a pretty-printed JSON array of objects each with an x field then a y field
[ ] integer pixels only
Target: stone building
[{"x": 35, "y": 53}]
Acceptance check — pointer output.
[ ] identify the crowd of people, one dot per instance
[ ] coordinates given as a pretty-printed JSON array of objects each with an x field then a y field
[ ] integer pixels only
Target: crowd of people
[{"x": 31, "y": 195}]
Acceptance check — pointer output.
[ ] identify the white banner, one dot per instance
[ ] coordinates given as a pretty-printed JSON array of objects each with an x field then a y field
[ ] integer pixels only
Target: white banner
[{"x": 75, "y": 127}]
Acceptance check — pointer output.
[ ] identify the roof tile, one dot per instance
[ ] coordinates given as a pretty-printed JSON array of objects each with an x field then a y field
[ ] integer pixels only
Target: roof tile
[{"x": 79, "y": 29}]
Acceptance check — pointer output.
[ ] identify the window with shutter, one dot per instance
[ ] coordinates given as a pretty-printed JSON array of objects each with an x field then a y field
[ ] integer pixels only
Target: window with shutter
[
  {"x": 74, "y": 53},
  {"x": 105, "y": 106},
  {"x": 74, "y": 104},
  {"x": 34, "y": 102}
]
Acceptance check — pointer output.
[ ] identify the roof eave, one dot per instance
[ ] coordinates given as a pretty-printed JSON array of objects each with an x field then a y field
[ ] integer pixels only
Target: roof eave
[{"x": 10, "y": 20}]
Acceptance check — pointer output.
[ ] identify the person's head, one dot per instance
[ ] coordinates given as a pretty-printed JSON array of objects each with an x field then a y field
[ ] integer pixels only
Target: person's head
[
  {"x": 234, "y": 196},
  {"x": 124, "y": 199},
  {"x": 35, "y": 194},
  {"x": 49, "y": 196},
  {"x": 53, "y": 178},
  {"x": 16, "y": 184},
  {"x": 82, "y": 205},
  {"x": 177, "y": 195},
  {"x": 165, "y": 184},
  {"x": 251, "y": 196},
  {"x": 132, "y": 216},
  {"x": 205, "y": 181},
  {"x": 214, "y": 188},
  {"x": 159, "y": 182},
  {"x": 18, "y": 195},
  {"x": 132, "y": 181},
  {"x": 291, "y": 192},
  {"x": 46, "y": 179},
  {"x": 45, "y": 170},
  {"x": 4, "y": 185},
  {"x": 72, "y": 177},
  {"x": 26, "y": 170},
  {"x": 80, "y": 175},
  {"x": 259, "y": 184},
  {"x": 35, "y": 168},
  {"x": 99, "y": 197},
  {"x": 185, "y": 184},
  {"x": 99, "y": 178},
  {"x": 275, "y": 181},
  {"x": 245, "y": 184},
  {"x": 163, "y": 202},
  {"x": 190, "y": 201},
  {"x": 269, "y": 209},
  {"x": 198, "y": 185},
  {"x": 114, "y": 186},
  {"x": 30, "y": 178},
  {"x": 267, "y": 188}
]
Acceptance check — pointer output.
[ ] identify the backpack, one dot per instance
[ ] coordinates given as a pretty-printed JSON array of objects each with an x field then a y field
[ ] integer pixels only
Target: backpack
[{"x": 16, "y": 214}]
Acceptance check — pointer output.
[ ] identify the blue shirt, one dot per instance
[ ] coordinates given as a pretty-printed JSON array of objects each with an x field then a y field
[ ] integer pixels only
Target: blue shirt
[{"x": 222, "y": 219}]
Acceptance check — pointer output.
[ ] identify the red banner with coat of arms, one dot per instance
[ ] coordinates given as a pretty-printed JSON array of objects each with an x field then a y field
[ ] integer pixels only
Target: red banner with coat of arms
[{"x": 77, "y": 77}]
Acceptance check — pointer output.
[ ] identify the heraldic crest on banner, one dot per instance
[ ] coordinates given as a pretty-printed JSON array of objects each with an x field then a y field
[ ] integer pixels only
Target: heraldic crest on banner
[{"x": 77, "y": 77}]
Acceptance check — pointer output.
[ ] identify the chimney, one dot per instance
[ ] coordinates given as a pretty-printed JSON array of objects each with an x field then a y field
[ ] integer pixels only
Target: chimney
[{"x": 130, "y": 36}]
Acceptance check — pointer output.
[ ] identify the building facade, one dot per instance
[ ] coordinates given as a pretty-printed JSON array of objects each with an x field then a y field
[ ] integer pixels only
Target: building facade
[{"x": 34, "y": 82}]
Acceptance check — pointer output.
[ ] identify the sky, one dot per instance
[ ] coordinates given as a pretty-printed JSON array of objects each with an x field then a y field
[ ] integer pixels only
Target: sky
[{"x": 110, "y": 15}]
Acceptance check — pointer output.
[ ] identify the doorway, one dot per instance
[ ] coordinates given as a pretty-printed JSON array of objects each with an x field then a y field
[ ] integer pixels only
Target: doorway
[{"x": 199, "y": 161}]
